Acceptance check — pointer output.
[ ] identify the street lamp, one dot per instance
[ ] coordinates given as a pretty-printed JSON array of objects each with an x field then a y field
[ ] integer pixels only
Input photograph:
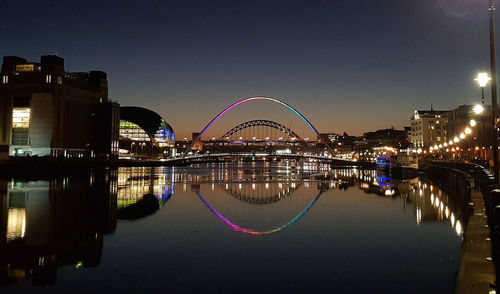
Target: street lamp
[
  {"x": 482, "y": 79},
  {"x": 493, "y": 88},
  {"x": 478, "y": 109}
]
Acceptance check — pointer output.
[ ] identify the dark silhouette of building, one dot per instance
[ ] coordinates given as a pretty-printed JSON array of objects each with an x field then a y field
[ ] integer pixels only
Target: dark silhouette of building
[
  {"x": 387, "y": 137},
  {"x": 45, "y": 111}
]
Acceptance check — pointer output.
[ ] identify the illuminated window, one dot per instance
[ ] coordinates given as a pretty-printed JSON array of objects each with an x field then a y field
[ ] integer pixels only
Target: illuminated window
[
  {"x": 16, "y": 223},
  {"x": 20, "y": 125},
  {"x": 48, "y": 79},
  {"x": 5, "y": 79},
  {"x": 21, "y": 118},
  {"x": 25, "y": 67},
  {"x": 132, "y": 131}
]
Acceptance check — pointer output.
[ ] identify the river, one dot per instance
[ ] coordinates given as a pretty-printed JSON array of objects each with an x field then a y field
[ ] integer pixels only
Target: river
[{"x": 228, "y": 228}]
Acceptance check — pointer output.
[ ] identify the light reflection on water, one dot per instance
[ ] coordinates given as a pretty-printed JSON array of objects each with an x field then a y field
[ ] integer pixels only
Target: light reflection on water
[{"x": 181, "y": 208}]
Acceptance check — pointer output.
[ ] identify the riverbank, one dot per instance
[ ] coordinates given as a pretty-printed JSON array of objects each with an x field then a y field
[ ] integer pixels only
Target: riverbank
[
  {"x": 476, "y": 272},
  {"x": 472, "y": 186},
  {"x": 28, "y": 166},
  {"x": 48, "y": 165}
]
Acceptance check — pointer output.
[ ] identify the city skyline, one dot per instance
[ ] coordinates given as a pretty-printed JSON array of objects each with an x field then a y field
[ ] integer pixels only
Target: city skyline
[{"x": 345, "y": 66}]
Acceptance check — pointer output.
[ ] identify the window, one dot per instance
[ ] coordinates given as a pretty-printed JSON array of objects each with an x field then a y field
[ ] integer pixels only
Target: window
[
  {"x": 25, "y": 67},
  {"x": 20, "y": 124},
  {"x": 132, "y": 131},
  {"x": 21, "y": 118},
  {"x": 5, "y": 79},
  {"x": 20, "y": 136},
  {"x": 48, "y": 79}
]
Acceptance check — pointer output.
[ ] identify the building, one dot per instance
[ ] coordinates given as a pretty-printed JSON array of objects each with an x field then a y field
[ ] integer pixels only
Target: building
[
  {"x": 428, "y": 128},
  {"x": 144, "y": 132},
  {"x": 45, "y": 111},
  {"x": 387, "y": 137},
  {"x": 459, "y": 118}
]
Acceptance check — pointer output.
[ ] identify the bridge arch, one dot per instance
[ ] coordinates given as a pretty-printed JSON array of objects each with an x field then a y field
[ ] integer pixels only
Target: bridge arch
[
  {"x": 260, "y": 122},
  {"x": 252, "y": 99}
]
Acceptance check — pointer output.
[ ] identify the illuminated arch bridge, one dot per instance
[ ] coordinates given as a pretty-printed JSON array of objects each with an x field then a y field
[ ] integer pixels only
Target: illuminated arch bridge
[{"x": 235, "y": 104}]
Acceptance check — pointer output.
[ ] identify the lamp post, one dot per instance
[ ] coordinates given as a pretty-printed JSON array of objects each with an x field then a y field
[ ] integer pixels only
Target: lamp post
[
  {"x": 493, "y": 88},
  {"x": 482, "y": 79}
]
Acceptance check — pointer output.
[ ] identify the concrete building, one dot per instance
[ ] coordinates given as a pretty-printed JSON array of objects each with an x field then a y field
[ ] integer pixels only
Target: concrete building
[
  {"x": 428, "y": 128},
  {"x": 45, "y": 111}
]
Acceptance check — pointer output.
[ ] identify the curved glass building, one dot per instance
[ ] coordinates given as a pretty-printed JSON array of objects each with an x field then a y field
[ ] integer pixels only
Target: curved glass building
[{"x": 139, "y": 124}]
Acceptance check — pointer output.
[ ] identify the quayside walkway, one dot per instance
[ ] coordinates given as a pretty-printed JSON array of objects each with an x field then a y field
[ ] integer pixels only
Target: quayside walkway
[
  {"x": 474, "y": 186},
  {"x": 476, "y": 271}
]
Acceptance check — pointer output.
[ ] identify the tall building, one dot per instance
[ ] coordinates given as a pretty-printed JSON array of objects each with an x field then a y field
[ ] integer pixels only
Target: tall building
[
  {"x": 428, "y": 128},
  {"x": 45, "y": 111}
]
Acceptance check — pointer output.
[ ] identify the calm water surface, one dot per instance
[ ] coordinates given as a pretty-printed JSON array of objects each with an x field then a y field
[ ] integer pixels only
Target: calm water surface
[{"x": 228, "y": 228}]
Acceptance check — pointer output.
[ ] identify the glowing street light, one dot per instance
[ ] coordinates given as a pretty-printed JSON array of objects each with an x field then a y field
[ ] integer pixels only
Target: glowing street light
[
  {"x": 482, "y": 79},
  {"x": 456, "y": 139},
  {"x": 468, "y": 131},
  {"x": 478, "y": 109},
  {"x": 462, "y": 136},
  {"x": 472, "y": 123}
]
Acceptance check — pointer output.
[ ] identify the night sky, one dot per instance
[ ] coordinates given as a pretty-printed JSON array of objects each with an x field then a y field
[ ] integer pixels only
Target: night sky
[{"x": 346, "y": 65}]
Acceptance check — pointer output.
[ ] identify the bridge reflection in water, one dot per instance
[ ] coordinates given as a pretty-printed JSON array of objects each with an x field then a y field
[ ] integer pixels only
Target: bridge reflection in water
[
  {"x": 53, "y": 222},
  {"x": 427, "y": 202}
]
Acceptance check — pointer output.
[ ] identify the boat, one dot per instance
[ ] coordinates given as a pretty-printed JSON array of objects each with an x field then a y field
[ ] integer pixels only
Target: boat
[{"x": 404, "y": 166}]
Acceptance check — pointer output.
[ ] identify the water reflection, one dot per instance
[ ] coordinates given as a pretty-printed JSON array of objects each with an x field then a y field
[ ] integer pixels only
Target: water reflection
[
  {"x": 49, "y": 223},
  {"x": 46, "y": 224},
  {"x": 134, "y": 183},
  {"x": 427, "y": 202},
  {"x": 251, "y": 231}
]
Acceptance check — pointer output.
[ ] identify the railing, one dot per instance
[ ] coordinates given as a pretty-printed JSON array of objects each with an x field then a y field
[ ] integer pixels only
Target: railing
[{"x": 484, "y": 180}]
